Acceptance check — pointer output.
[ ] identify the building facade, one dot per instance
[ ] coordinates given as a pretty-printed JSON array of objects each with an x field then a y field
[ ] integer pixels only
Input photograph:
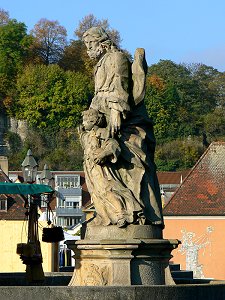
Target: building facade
[
  {"x": 14, "y": 228},
  {"x": 69, "y": 199},
  {"x": 196, "y": 215}
]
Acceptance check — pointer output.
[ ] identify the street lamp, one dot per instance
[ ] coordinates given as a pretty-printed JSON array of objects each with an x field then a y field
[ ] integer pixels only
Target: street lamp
[
  {"x": 29, "y": 168},
  {"x": 32, "y": 258},
  {"x": 53, "y": 234},
  {"x": 46, "y": 176}
]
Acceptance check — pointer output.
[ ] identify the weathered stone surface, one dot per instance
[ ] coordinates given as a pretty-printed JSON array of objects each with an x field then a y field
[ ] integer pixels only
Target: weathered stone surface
[
  {"x": 113, "y": 232},
  {"x": 123, "y": 243},
  {"x": 121, "y": 262},
  {"x": 184, "y": 292},
  {"x": 118, "y": 139}
]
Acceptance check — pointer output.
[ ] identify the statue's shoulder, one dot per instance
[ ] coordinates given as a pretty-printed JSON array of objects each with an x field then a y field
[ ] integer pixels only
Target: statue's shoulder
[{"x": 116, "y": 54}]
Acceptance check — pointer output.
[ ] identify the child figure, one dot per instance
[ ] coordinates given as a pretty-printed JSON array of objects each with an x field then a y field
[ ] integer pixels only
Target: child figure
[{"x": 114, "y": 203}]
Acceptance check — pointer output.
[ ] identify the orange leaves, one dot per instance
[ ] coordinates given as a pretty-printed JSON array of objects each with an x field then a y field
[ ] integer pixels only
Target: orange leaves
[{"x": 157, "y": 82}]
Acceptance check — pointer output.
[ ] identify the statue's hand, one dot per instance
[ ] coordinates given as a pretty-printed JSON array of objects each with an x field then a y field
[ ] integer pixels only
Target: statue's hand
[
  {"x": 99, "y": 156},
  {"x": 115, "y": 121}
]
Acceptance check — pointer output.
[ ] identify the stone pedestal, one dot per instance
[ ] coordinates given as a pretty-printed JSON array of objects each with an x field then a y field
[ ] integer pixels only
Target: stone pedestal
[{"x": 122, "y": 257}]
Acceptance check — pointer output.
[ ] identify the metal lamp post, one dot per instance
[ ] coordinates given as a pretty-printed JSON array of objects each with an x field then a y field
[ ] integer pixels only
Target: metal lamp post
[
  {"x": 47, "y": 178},
  {"x": 52, "y": 234},
  {"x": 33, "y": 258}
]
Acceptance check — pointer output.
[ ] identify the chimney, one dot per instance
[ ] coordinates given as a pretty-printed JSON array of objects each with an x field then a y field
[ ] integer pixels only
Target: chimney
[{"x": 4, "y": 164}]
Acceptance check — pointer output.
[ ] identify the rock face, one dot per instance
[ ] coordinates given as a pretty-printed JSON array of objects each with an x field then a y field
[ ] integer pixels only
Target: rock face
[
  {"x": 3, "y": 129},
  {"x": 13, "y": 125},
  {"x": 19, "y": 127}
]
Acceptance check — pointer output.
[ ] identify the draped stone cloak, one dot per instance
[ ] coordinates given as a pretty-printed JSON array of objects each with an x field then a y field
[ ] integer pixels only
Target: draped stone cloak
[{"x": 135, "y": 167}]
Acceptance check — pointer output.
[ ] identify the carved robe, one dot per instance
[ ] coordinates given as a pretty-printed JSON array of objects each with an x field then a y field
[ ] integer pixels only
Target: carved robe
[
  {"x": 134, "y": 168},
  {"x": 114, "y": 203}
]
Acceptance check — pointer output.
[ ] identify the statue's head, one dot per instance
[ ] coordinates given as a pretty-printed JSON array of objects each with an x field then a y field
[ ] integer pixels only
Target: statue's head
[
  {"x": 92, "y": 117},
  {"x": 96, "y": 41}
]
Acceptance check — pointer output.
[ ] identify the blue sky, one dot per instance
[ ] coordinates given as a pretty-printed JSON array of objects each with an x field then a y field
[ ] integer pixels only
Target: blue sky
[{"x": 183, "y": 31}]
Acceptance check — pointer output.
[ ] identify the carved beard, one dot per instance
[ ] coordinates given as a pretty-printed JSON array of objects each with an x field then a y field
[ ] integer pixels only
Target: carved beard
[{"x": 95, "y": 53}]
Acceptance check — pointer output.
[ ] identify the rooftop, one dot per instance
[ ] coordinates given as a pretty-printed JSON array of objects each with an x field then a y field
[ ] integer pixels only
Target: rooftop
[{"x": 202, "y": 193}]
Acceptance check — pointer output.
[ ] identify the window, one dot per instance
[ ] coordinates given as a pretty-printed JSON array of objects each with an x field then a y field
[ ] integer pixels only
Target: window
[
  {"x": 61, "y": 203},
  {"x": 44, "y": 200},
  {"x": 68, "y": 181},
  {"x": 3, "y": 204},
  {"x": 68, "y": 221},
  {"x": 72, "y": 204}
]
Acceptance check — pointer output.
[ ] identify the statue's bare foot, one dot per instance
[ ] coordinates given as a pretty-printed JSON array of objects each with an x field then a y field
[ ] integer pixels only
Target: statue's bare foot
[{"x": 122, "y": 223}]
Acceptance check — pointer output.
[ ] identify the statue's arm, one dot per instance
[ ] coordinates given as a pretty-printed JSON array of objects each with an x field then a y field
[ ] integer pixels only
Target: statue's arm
[
  {"x": 109, "y": 151},
  {"x": 118, "y": 92},
  {"x": 83, "y": 135}
]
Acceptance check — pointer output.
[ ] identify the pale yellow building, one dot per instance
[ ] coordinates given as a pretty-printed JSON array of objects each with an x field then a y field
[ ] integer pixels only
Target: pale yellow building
[{"x": 13, "y": 231}]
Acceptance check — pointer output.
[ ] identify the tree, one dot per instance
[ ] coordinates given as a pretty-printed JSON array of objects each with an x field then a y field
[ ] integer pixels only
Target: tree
[
  {"x": 218, "y": 86},
  {"x": 206, "y": 93},
  {"x": 4, "y": 17},
  {"x": 178, "y": 154},
  {"x": 75, "y": 58},
  {"x": 162, "y": 102},
  {"x": 61, "y": 149},
  {"x": 49, "y": 97},
  {"x": 170, "y": 71},
  {"x": 14, "y": 46},
  {"x": 214, "y": 123},
  {"x": 90, "y": 21},
  {"x": 197, "y": 87},
  {"x": 49, "y": 41}
]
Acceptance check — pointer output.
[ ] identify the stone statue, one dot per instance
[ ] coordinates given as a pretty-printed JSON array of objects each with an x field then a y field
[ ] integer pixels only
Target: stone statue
[
  {"x": 118, "y": 139},
  {"x": 123, "y": 244}
]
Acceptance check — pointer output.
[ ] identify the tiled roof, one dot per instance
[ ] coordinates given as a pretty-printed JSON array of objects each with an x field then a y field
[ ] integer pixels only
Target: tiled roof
[
  {"x": 171, "y": 177},
  {"x": 202, "y": 192},
  {"x": 15, "y": 204}
]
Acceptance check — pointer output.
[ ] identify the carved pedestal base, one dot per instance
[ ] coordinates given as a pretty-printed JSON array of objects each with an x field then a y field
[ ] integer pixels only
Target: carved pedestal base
[{"x": 119, "y": 261}]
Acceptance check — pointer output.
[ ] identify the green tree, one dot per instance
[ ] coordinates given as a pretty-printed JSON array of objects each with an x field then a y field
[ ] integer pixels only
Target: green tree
[
  {"x": 51, "y": 97},
  {"x": 218, "y": 85},
  {"x": 197, "y": 87},
  {"x": 206, "y": 96},
  {"x": 14, "y": 45},
  {"x": 178, "y": 154},
  {"x": 61, "y": 149},
  {"x": 162, "y": 102},
  {"x": 214, "y": 123}
]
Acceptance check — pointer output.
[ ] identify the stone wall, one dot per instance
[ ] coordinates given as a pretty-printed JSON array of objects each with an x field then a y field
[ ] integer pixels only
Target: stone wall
[{"x": 184, "y": 292}]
